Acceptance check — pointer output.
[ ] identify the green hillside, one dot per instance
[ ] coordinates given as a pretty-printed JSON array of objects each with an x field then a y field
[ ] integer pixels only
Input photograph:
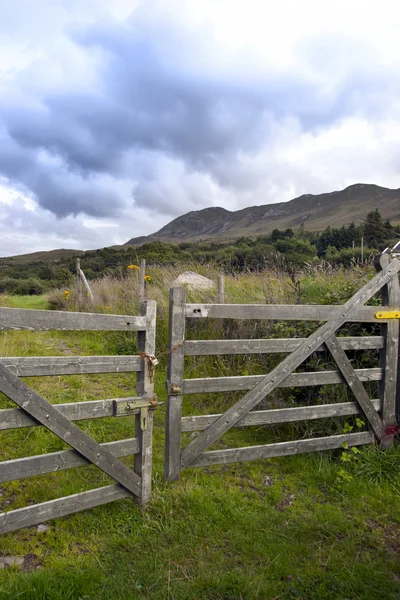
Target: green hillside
[{"x": 314, "y": 212}]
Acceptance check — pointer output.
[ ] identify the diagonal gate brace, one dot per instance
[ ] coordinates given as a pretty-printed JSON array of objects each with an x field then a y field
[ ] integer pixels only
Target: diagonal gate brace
[
  {"x": 354, "y": 383},
  {"x": 41, "y": 410},
  {"x": 286, "y": 367}
]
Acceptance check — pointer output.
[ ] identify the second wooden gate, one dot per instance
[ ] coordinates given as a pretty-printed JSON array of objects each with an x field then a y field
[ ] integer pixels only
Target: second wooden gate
[
  {"x": 34, "y": 410},
  {"x": 380, "y": 414}
]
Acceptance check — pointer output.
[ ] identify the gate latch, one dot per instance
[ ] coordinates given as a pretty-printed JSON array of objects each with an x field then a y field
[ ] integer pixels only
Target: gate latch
[
  {"x": 388, "y": 314},
  {"x": 124, "y": 407}
]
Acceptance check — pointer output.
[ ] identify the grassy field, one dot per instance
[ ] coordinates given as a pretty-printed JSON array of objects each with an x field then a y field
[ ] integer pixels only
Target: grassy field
[
  {"x": 309, "y": 527},
  {"x": 25, "y": 301}
]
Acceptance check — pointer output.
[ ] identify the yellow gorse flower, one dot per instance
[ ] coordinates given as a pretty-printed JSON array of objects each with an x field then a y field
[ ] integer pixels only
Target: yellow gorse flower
[
  {"x": 133, "y": 267},
  {"x": 66, "y": 292},
  {"x": 147, "y": 277}
]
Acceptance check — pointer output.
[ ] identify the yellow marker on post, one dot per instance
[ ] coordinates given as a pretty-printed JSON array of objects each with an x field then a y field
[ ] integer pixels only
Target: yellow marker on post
[{"x": 388, "y": 314}]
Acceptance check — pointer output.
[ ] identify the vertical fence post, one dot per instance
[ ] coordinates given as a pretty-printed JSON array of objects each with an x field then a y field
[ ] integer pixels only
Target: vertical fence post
[
  {"x": 389, "y": 355},
  {"x": 142, "y": 273},
  {"x": 145, "y": 387},
  {"x": 176, "y": 357},
  {"x": 221, "y": 289},
  {"x": 79, "y": 282},
  {"x": 86, "y": 285}
]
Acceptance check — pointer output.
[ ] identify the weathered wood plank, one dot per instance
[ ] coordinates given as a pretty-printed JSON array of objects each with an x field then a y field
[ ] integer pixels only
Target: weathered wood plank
[
  {"x": 390, "y": 355},
  {"x": 38, "y": 513},
  {"x": 280, "y": 415},
  {"x": 38, "y": 408},
  {"x": 142, "y": 281},
  {"x": 218, "y": 457},
  {"x": 176, "y": 334},
  {"x": 14, "y": 418},
  {"x": 220, "y": 289},
  {"x": 278, "y": 312},
  {"x": 36, "y": 366},
  {"x": 24, "y": 318},
  {"x": 18, "y": 468},
  {"x": 86, "y": 284},
  {"x": 145, "y": 387},
  {"x": 79, "y": 283},
  {"x": 356, "y": 386},
  {"x": 271, "y": 346},
  {"x": 278, "y": 375},
  {"x": 248, "y": 382}
]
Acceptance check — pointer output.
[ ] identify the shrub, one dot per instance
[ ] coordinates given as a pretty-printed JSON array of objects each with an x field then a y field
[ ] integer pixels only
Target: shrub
[{"x": 29, "y": 287}]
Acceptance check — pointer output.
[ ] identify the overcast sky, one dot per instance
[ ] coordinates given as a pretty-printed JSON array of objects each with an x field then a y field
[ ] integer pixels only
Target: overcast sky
[{"x": 117, "y": 116}]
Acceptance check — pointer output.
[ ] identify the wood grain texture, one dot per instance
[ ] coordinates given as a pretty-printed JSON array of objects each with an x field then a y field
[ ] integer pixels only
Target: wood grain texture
[
  {"x": 79, "y": 283},
  {"x": 35, "y": 411},
  {"x": 86, "y": 284},
  {"x": 142, "y": 283},
  {"x": 18, "y": 468},
  {"x": 38, "y": 513},
  {"x": 287, "y": 366},
  {"x": 223, "y": 457},
  {"x": 280, "y": 415},
  {"x": 38, "y": 408},
  {"x": 390, "y": 355},
  {"x": 175, "y": 365},
  {"x": 356, "y": 386},
  {"x": 248, "y": 382},
  {"x": 35, "y": 366},
  {"x": 220, "y": 289},
  {"x": 30, "y": 319},
  {"x": 145, "y": 387},
  {"x": 271, "y": 346},
  {"x": 279, "y": 312},
  {"x": 14, "y": 418}
]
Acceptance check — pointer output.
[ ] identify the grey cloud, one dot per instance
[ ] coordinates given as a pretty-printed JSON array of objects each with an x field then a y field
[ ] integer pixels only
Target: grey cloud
[
  {"x": 143, "y": 103},
  {"x": 154, "y": 100},
  {"x": 57, "y": 189},
  {"x": 23, "y": 230}
]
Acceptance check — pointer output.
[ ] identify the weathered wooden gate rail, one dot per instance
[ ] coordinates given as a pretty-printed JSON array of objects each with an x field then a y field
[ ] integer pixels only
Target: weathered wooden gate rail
[
  {"x": 35, "y": 411},
  {"x": 380, "y": 413}
]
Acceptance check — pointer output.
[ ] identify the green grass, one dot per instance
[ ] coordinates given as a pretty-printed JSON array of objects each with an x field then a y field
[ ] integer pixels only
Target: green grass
[
  {"x": 28, "y": 301},
  {"x": 285, "y": 528}
]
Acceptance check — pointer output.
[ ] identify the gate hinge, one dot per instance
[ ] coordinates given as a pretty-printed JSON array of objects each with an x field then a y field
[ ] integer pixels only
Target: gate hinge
[
  {"x": 388, "y": 314},
  {"x": 174, "y": 389}
]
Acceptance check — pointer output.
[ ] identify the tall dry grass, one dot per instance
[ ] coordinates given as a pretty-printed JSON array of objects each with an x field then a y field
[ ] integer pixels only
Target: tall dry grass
[
  {"x": 119, "y": 295},
  {"x": 314, "y": 285}
]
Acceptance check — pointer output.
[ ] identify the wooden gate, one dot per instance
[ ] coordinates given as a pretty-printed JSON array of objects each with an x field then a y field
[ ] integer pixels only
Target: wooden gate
[
  {"x": 34, "y": 411},
  {"x": 380, "y": 414}
]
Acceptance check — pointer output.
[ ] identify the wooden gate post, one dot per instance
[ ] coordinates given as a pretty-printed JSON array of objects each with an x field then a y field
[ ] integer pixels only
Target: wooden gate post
[
  {"x": 176, "y": 359},
  {"x": 145, "y": 387},
  {"x": 87, "y": 286},
  {"x": 79, "y": 282},
  {"x": 142, "y": 283},
  {"x": 221, "y": 289},
  {"x": 389, "y": 355}
]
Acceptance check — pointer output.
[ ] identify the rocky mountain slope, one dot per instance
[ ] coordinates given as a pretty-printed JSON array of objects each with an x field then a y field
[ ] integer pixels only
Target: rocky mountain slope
[{"x": 316, "y": 212}]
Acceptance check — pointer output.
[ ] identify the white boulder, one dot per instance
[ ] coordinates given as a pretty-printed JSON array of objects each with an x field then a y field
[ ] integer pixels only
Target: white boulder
[{"x": 194, "y": 281}]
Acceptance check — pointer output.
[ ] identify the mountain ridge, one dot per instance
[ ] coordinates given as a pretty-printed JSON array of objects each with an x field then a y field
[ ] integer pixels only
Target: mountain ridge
[{"x": 315, "y": 211}]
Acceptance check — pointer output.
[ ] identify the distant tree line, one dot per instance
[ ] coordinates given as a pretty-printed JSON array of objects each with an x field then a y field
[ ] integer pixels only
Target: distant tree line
[{"x": 285, "y": 248}]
